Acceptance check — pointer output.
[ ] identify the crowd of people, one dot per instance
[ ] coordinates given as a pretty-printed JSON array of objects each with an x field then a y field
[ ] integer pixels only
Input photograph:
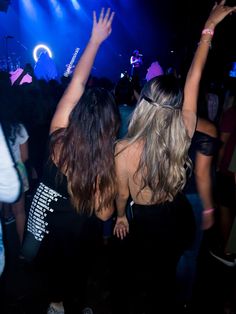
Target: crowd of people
[{"x": 139, "y": 167}]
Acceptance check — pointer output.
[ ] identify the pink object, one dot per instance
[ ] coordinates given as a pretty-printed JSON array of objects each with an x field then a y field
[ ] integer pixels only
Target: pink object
[
  {"x": 14, "y": 76},
  {"x": 208, "y": 211},
  {"x": 154, "y": 70},
  {"x": 208, "y": 31}
]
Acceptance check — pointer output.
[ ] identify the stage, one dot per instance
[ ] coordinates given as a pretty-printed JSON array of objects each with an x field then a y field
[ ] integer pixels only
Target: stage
[{"x": 166, "y": 31}]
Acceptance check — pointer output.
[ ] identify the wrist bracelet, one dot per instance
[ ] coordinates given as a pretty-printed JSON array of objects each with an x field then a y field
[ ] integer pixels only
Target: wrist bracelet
[
  {"x": 208, "y": 211},
  {"x": 208, "y": 31},
  {"x": 207, "y": 41}
]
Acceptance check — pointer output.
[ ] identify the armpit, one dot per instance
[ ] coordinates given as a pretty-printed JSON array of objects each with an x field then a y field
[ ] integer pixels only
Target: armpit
[{"x": 190, "y": 121}]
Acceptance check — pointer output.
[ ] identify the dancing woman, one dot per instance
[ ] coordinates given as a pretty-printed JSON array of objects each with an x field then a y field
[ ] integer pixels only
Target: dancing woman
[
  {"x": 79, "y": 183},
  {"x": 151, "y": 166}
]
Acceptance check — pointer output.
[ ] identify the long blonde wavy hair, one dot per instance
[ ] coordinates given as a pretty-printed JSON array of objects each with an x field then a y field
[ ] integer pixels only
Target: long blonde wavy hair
[{"x": 158, "y": 123}]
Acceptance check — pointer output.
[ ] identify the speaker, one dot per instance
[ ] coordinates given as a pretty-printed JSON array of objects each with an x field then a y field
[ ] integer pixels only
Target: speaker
[{"x": 4, "y": 4}]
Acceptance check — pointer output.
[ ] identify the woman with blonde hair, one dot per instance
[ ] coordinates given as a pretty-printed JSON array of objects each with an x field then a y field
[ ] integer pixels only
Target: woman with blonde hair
[{"x": 152, "y": 165}]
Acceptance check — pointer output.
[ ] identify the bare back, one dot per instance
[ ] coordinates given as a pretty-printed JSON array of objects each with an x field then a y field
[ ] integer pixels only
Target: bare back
[{"x": 127, "y": 162}]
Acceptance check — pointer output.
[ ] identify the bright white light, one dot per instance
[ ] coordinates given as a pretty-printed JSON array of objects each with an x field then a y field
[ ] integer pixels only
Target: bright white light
[
  {"x": 37, "y": 48},
  {"x": 75, "y": 4}
]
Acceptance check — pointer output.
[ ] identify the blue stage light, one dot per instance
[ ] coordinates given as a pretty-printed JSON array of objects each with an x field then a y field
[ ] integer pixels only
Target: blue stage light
[
  {"x": 75, "y": 4},
  {"x": 232, "y": 72},
  {"x": 56, "y": 6},
  {"x": 39, "y": 48},
  {"x": 30, "y": 8}
]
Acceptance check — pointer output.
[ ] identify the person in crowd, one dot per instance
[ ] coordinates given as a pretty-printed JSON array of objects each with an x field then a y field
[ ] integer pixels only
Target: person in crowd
[
  {"x": 225, "y": 184},
  {"x": 45, "y": 68},
  {"x": 232, "y": 165},
  {"x": 79, "y": 182},
  {"x": 10, "y": 184},
  {"x": 154, "y": 70},
  {"x": 18, "y": 139},
  {"x": 198, "y": 190},
  {"x": 10, "y": 112},
  {"x": 151, "y": 166},
  {"x": 136, "y": 62},
  {"x": 124, "y": 94}
]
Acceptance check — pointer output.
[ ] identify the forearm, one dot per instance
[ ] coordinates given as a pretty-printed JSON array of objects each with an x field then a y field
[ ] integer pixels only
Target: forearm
[
  {"x": 80, "y": 76},
  {"x": 195, "y": 72},
  {"x": 121, "y": 205},
  {"x": 204, "y": 188},
  {"x": 201, "y": 53},
  {"x": 84, "y": 66},
  {"x": 217, "y": 14},
  {"x": 101, "y": 30}
]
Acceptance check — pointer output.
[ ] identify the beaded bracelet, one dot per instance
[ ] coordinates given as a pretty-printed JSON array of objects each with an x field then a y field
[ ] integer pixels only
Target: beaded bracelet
[
  {"x": 208, "y": 31},
  {"x": 208, "y": 41},
  {"x": 208, "y": 211}
]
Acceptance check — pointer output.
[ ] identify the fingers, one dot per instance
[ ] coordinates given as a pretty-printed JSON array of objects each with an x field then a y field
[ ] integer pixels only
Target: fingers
[
  {"x": 101, "y": 16},
  {"x": 121, "y": 231},
  {"x": 222, "y": 2},
  {"x": 215, "y": 5},
  {"x": 111, "y": 18},
  {"x": 108, "y": 18},
  {"x": 233, "y": 9},
  {"x": 107, "y": 15},
  {"x": 94, "y": 18}
]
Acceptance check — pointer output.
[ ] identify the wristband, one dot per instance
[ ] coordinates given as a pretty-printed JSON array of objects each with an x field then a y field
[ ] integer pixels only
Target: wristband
[
  {"x": 208, "y": 31},
  {"x": 207, "y": 41},
  {"x": 208, "y": 211}
]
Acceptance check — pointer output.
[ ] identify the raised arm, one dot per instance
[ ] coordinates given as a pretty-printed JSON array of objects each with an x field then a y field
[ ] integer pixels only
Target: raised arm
[
  {"x": 218, "y": 13},
  {"x": 101, "y": 30}
]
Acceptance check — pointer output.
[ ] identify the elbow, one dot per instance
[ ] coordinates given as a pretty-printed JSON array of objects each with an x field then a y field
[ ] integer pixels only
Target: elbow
[{"x": 105, "y": 214}]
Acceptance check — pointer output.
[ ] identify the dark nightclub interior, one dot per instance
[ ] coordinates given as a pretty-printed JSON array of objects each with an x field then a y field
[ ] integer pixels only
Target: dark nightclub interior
[{"x": 179, "y": 261}]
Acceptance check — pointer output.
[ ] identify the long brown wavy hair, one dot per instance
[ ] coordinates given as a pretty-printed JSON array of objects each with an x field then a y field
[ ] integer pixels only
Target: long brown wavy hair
[
  {"x": 157, "y": 121},
  {"x": 84, "y": 151}
]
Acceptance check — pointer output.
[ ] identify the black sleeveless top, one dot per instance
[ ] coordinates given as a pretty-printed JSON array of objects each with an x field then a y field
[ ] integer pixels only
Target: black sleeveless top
[{"x": 204, "y": 144}]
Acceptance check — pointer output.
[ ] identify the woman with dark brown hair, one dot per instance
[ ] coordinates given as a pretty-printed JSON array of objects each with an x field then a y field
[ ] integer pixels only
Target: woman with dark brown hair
[{"x": 78, "y": 185}]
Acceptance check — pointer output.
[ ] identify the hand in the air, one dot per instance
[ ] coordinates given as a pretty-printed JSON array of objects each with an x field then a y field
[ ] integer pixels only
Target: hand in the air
[
  {"x": 219, "y": 12},
  {"x": 102, "y": 27}
]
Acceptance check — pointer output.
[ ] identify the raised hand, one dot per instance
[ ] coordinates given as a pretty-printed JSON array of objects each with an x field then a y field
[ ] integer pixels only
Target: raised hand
[
  {"x": 101, "y": 30},
  {"x": 102, "y": 27},
  {"x": 218, "y": 13}
]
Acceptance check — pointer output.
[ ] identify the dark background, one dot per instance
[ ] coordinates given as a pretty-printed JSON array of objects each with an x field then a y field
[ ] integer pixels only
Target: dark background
[{"x": 166, "y": 30}]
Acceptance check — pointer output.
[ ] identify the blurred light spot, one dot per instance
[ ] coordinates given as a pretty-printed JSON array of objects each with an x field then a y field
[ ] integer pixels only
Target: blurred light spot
[
  {"x": 57, "y": 8},
  {"x": 75, "y": 4}
]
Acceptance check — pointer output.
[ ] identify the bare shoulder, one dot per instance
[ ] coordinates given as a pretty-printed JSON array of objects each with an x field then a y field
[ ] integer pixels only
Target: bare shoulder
[
  {"x": 121, "y": 146},
  {"x": 207, "y": 127}
]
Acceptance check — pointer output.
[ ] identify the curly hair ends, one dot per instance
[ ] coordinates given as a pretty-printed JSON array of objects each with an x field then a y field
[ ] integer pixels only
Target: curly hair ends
[
  {"x": 164, "y": 159},
  {"x": 87, "y": 151}
]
